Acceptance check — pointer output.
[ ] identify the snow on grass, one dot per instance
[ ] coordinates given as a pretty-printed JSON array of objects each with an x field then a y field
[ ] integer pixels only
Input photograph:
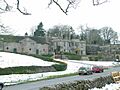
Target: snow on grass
[
  {"x": 99, "y": 63},
  {"x": 12, "y": 60},
  {"x": 111, "y": 86}
]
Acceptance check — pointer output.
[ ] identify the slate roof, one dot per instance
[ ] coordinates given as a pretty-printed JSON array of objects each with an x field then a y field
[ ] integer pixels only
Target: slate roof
[{"x": 11, "y": 38}]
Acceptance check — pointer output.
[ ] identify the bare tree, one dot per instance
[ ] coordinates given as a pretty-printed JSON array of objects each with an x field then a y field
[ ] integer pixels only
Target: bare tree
[
  {"x": 90, "y": 35},
  {"x": 69, "y": 4},
  {"x": 2, "y": 28},
  {"x": 108, "y": 35},
  {"x": 62, "y": 31},
  {"x": 32, "y": 30},
  {"x": 5, "y": 29}
]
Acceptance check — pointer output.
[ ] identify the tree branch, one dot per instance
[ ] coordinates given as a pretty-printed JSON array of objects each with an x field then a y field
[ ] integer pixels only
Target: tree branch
[
  {"x": 50, "y": 3},
  {"x": 63, "y": 10},
  {"x": 18, "y": 8},
  {"x": 2, "y": 26},
  {"x": 7, "y": 7},
  {"x": 2, "y": 9},
  {"x": 97, "y": 2}
]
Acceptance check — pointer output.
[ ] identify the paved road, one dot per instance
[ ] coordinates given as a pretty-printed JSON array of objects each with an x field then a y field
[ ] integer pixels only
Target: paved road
[{"x": 36, "y": 85}]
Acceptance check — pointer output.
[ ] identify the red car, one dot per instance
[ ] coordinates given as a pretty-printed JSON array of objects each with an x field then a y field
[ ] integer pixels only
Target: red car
[{"x": 97, "y": 69}]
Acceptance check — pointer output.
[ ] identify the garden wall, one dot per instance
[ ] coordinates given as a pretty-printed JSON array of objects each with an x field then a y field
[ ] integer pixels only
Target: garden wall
[{"x": 82, "y": 85}]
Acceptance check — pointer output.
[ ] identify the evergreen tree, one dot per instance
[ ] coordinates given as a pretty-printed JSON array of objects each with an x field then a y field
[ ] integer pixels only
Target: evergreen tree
[
  {"x": 26, "y": 34},
  {"x": 39, "y": 31}
]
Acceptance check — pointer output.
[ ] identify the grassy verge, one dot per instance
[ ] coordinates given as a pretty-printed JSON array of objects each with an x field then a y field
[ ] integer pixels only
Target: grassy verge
[
  {"x": 26, "y": 70},
  {"x": 33, "y": 69}
]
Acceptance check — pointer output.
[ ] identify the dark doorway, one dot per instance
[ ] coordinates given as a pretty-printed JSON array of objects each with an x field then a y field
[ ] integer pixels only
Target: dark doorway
[
  {"x": 15, "y": 50},
  {"x": 37, "y": 51}
]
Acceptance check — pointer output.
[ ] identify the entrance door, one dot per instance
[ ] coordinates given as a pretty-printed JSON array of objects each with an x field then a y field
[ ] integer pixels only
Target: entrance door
[
  {"x": 15, "y": 50},
  {"x": 37, "y": 51}
]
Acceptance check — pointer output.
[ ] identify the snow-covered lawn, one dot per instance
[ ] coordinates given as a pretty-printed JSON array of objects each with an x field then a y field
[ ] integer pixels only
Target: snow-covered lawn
[
  {"x": 12, "y": 60},
  {"x": 109, "y": 87}
]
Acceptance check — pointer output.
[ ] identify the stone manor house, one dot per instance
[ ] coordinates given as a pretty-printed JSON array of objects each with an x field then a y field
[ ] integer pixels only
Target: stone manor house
[{"x": 40, "y": 45}]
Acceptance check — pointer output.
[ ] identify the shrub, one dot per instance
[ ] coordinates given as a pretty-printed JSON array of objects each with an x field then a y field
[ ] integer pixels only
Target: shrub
[
  {"x": 44, "y": 57},
  {"x": 48, "y": 55},
  {"x": 26, "y": 70},
  {"x": 67, "y": 53},
  {"x": 92, "y": 58},
  {"x": 73, "y": 57},
  {"x": 60, "y": 67}
]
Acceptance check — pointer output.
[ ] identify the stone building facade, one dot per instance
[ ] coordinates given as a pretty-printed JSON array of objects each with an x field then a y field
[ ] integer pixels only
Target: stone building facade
[
  {"x": 26, "y": 45},
  {"x": 71, "y": 46},
  {"x": 37, "y": 45}
]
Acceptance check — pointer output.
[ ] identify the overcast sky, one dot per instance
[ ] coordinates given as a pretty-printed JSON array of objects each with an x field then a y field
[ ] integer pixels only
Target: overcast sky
[{"x": 86, "y": 14}]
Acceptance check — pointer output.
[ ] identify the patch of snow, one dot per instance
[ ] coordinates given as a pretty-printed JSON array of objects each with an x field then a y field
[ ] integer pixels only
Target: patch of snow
[
  {"x": 109, "y": 87},
  {"x": 14, "y": 60}
]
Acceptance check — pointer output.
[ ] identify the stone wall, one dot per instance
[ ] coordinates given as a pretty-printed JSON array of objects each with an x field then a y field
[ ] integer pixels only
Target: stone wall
[
  {"x": 46, "y": 69},
  {"x": 82, "y": 85}
]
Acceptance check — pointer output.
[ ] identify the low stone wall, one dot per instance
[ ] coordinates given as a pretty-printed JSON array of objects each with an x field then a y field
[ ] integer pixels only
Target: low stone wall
[
  {"x": 46, "y": 69},
  {"x": 82, "y": 85}
]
